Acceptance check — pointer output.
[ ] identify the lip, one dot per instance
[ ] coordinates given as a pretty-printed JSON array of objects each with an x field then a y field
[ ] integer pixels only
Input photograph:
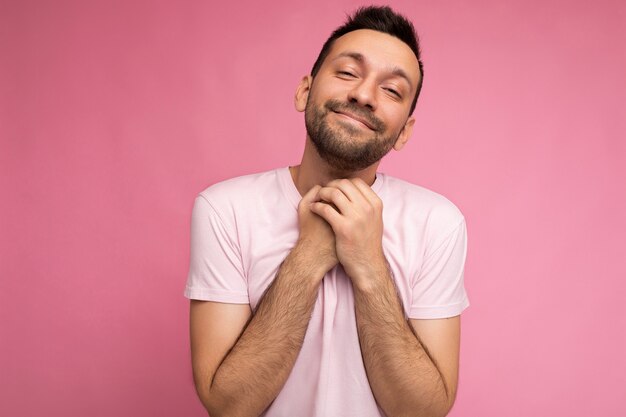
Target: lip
[{"x": 355, "y": 117}]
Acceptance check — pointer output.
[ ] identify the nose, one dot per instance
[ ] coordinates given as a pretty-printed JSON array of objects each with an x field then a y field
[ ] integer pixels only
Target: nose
[{"x": 364, "y": 94}]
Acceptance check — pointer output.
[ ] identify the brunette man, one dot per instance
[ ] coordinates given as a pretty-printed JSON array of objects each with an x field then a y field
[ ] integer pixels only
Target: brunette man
[{"x": 326, "y": 288}]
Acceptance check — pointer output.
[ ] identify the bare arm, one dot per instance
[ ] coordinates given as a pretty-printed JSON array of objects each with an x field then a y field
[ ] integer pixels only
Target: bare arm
[
  {"x": 409, "y": 376},
  {"x": 241, "y": 375}
]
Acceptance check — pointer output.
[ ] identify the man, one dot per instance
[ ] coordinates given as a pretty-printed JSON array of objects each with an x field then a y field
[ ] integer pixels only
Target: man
[{"x": 328, "y": 289}]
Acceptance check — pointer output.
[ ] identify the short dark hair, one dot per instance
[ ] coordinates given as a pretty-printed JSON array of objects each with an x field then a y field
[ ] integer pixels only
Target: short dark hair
[{"x": 382, "y": 19}]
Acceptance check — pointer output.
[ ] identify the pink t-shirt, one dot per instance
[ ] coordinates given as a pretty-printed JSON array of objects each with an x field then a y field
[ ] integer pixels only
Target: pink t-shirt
[{"x": 243, "y": 228}]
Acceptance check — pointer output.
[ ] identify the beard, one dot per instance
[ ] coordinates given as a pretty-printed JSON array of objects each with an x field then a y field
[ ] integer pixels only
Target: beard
[{"x": 343, "y": 147}]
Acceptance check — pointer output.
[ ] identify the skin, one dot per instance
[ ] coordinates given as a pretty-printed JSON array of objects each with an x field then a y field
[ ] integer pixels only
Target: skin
[
  {"x": 241, "y": 361},
  {"x": 412, "y": 365}
]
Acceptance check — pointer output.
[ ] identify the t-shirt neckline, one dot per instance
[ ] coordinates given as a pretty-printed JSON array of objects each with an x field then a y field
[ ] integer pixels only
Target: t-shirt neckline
[{"x": 293, "y": 195}]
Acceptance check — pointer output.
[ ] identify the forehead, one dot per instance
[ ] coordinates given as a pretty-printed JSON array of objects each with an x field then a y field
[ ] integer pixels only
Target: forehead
[{"x": 381, "y": 51}]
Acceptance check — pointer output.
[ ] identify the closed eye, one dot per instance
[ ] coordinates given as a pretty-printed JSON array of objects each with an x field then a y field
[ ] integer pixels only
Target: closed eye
[
  {"x": 346, "y": 73},
  {"x": 392, "y": 91}
]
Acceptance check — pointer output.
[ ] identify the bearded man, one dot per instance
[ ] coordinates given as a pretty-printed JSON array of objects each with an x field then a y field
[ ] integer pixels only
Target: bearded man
[{"x": 328, "y": 288}]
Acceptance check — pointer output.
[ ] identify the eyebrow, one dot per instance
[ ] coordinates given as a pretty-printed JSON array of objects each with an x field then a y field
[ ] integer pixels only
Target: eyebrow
[{"x": 359, "y": 57}]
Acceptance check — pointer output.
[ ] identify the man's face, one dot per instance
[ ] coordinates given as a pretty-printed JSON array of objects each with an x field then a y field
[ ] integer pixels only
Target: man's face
[{"x": 359, "y": 101}]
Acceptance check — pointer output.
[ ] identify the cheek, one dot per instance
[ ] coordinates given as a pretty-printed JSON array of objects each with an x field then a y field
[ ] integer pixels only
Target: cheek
[
  {"x": 394, "y": 123},
  {"x": 398, "y": 118},
  {"x": 330, "y": 90},
  {"x": 314, "y": 97}
]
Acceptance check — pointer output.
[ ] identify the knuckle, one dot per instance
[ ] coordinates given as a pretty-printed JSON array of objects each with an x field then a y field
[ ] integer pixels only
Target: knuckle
[
  {"x": 311, "y": 193},
  {"x": 345, "y": 182}
]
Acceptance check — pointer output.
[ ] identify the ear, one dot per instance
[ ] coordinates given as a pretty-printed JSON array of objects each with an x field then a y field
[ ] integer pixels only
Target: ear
[
  {"x": 302, "y": 93},
  {"x": 405, "y": 134}
]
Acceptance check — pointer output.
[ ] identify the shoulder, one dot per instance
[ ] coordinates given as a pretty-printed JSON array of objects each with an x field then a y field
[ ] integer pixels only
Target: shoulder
[
  {"x": 420, "y": 202},
  {"x": 228, "y": 196},
  {"x": 239, "y": 188}
]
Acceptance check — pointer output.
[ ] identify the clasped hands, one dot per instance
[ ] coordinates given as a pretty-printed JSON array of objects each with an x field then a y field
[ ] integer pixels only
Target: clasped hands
[{"x": 344, "y": 221}]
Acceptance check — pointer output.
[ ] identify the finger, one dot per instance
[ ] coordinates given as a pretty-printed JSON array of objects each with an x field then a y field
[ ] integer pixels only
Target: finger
[
  {"x": 311, "y": 194},
  {"x": 366, "y": 191},
  {"x": 335, "y": 196},
  {"x": 349, "y": 189},
  {"x": 326, "y": 212}
]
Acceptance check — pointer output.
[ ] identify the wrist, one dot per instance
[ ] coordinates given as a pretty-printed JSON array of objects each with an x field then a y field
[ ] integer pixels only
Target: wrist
[
  {"x": 369, "y": 277},
  {"x": 312, "y": 258}
]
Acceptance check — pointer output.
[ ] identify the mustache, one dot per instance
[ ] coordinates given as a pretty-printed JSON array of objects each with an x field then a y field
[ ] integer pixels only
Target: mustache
[{"x": 336, "y": 105}]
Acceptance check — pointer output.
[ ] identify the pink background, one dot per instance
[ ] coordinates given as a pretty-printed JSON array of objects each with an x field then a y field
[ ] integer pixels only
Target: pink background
[{"x": 115, "y": 114}]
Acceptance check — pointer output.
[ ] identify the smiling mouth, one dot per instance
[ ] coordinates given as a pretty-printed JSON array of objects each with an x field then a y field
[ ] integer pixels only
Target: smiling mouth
[{"x": 355, "y": 119}]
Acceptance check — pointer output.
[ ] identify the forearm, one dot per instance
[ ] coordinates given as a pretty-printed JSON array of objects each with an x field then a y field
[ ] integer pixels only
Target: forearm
[
  {"x": 403, "y": 378},
  {"x": 255, "y": 370}
]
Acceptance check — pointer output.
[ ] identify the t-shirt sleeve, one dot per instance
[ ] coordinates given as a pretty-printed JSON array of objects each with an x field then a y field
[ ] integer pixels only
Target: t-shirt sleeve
[
  {"x": 439, "y": 290},
  {"x": 215, "y": 267}
]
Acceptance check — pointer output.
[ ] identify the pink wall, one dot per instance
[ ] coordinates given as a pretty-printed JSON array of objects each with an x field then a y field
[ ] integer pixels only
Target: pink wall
[{"x": 114, "y": 115}]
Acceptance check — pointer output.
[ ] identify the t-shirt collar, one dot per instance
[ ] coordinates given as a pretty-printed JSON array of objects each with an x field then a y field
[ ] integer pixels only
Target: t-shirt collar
[{"x": 293, "y": 195}]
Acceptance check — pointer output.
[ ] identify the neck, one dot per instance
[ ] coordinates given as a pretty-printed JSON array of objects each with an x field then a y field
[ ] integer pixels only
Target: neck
[{"x": 313, "y": 170}]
